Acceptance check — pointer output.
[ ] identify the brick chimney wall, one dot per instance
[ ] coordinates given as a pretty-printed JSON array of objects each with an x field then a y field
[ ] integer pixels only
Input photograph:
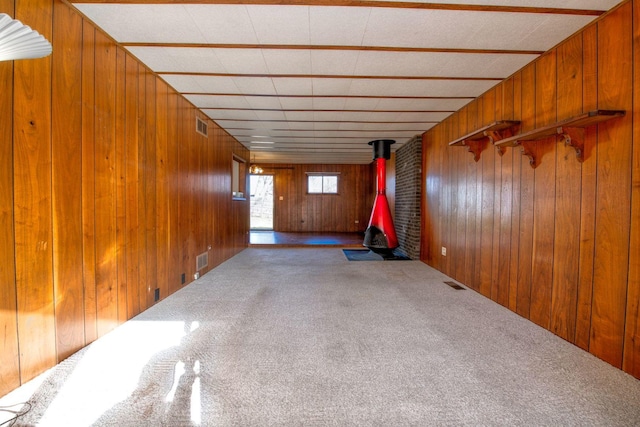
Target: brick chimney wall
[{"x": 408, "y": 187}]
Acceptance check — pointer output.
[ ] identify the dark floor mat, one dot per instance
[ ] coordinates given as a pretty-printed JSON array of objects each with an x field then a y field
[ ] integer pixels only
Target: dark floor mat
[{"x": 367, "y": 255}]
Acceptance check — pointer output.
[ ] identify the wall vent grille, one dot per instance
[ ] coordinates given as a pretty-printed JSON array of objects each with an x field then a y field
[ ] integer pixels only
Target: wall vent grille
[
  {"x": 201, "y": 127},
  {"x": 202, "y": 261}
]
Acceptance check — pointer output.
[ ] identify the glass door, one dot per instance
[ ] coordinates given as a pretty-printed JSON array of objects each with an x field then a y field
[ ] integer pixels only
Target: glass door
[{"x": 261, "y": 209}]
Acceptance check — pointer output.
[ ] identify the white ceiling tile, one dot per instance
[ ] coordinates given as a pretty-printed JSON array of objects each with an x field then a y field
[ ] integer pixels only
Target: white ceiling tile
[
  {"x": 177, "y": 59},
  {"x": 280, "y": 24},
  {"x": 333, "y": 86},
  {"x": 448, "y": 88},
  {"x": 270, "y": 115},
  {"x": 566, "y": 4},
  {"x": 329, "y": 103},
  {"x": 137, "y": 22},
  {"x": 334, "y": 62},
  {"x": 299, "y": 115},
  {"x": 342, "y": 26},
  {"x": 219, "y": 23},
  {"x": 206, "y": 84},
  {"x": 263, "y": 101},
  {"x": 292, "y": 86},
  {"x": 183, "y": 83},
  {"x": 255, "y": 85},
  {"x": 231, "y": 114},
  {"x": 207, "y": 101},
  {"x": 287, "y": 61},
  {"x": 296, "y": 103},
  {"x": 242, "y": 61},
  {"x": 357, "y": 110}
]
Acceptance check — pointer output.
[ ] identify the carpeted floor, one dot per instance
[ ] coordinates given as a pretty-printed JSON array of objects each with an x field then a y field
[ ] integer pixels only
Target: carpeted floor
[{"x": 303, "y": 337}]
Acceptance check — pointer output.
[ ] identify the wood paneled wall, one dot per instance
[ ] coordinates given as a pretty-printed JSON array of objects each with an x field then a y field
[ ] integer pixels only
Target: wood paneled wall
[
  {"x": 553, "y": 244},
  {"x": 107, "y": 193},
  {"x": 302, "y": 212}
]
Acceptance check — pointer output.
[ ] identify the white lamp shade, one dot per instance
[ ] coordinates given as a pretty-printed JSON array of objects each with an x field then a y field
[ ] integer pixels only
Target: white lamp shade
[{"x": 18, "y": 41}]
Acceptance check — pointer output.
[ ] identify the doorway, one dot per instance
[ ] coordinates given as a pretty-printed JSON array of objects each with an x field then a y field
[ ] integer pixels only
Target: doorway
[{"x": 261, "y": 202}]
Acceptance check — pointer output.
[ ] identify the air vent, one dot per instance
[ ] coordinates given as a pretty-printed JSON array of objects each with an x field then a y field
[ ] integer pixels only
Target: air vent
[
  {"x": 455, "y": 286},
  {"x": 201, "y": 127},
  {"x": 202, "y": 261}
]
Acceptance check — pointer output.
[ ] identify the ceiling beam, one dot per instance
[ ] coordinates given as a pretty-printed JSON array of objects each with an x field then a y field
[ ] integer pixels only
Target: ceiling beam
[
  {"x": 332, "y": 47},
  {"x": 326, "y": 76},
  {"x": 372, "y": 4}
]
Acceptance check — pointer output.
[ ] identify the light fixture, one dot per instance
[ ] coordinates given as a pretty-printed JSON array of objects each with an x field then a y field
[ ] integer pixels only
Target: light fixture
[
  {"x": 18, "y": 41},
  {"x": 255, "y": 169}
]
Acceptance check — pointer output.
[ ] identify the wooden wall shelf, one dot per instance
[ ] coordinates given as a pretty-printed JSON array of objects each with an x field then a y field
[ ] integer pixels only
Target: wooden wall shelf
[
  {"x": 492, "y": 133},
  {"x": 570, "y": 130}
]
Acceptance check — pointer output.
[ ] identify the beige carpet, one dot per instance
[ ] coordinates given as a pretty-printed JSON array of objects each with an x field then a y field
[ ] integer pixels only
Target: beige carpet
[{"x": 303, "y": 337}]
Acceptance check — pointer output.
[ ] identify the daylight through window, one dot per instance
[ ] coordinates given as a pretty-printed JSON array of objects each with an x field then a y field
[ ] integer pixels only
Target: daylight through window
[{"x": 322, "y": 184}]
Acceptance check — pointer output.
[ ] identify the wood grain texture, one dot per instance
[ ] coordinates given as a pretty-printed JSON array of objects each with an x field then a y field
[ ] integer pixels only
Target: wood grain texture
[
  {"x": 9, "y": 357},
  {"x": 105, "y": 186},
  {"x": 302, "y": 212},
  {"x": 631, "y": 356},
  {"x": 132, "y": 185},
  {"x": 121, "y": 183},
  {"x": 90, "y": 188},
  {"x": 88, "y": 182},
  {"x": 588, "y": 192},
  {"x": 544, "y": 193},
  {"x": 573, "y": 260},
  {"x": 568, "y": 181},
  {"x": 150, "y": 196},
  {"x": 613, "y": 188},
  {"x": 66, "y": 152},
  {"x": 488, "y": 201},
  {"x": 515, "y": 198},
  {"x": 32, "y": 200}
]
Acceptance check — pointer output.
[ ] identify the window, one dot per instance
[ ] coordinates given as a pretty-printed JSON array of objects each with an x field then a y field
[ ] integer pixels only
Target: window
[
  {"x": 238, "y": 178},
  {"x": 322, "y": 183}
]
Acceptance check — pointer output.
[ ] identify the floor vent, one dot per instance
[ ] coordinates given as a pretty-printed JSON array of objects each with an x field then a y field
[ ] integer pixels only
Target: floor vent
[
  {"x": 202, "y": 261},
  {"x": 201, "y": 127},
  {"x": 455, "y": 286}
]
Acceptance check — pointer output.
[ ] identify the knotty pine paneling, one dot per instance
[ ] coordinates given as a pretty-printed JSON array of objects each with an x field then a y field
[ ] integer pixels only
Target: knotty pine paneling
[
  {"x": 302, "y": 212},
  {"x": 106, "y": 192},
  {"x": 553, "y": 243}
]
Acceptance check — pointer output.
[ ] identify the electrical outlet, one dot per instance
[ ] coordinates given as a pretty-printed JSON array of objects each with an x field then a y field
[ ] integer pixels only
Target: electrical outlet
[
  {"x": 196, "y": 276},
  {"x": 444, "y": 251},
  {"x": 357, "y": 221}
]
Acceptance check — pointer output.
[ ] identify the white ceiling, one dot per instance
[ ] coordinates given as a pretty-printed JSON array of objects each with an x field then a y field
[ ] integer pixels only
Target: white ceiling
[{"x": 313, "y": 81}]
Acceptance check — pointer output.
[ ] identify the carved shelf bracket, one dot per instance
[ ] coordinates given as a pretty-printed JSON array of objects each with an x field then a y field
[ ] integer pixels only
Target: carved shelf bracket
[
  {"x": 571, "y": 131},
  {"x": 475, "y": 147},
  {"x": 477, "y": 140},
  {"x": 574, "y": 138},
  {"x": 527, "y": 150}
]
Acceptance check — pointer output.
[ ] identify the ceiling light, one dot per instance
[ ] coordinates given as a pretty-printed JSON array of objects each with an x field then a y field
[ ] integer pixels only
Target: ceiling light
[
  {"x": 18, "y": 41},
  {"x": 255, "y": 169}
]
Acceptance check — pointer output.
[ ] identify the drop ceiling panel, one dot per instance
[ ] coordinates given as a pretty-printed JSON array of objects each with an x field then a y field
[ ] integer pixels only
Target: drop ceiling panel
[
  {"x": 280, "y": 24},
  {"x": 565, "y": 4},
  {"x": 256, "y": 76},
  {"x": 468, "y": 29},
  {"x": 446, "y": 88},
  {"x": 440, "y": 64}
]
